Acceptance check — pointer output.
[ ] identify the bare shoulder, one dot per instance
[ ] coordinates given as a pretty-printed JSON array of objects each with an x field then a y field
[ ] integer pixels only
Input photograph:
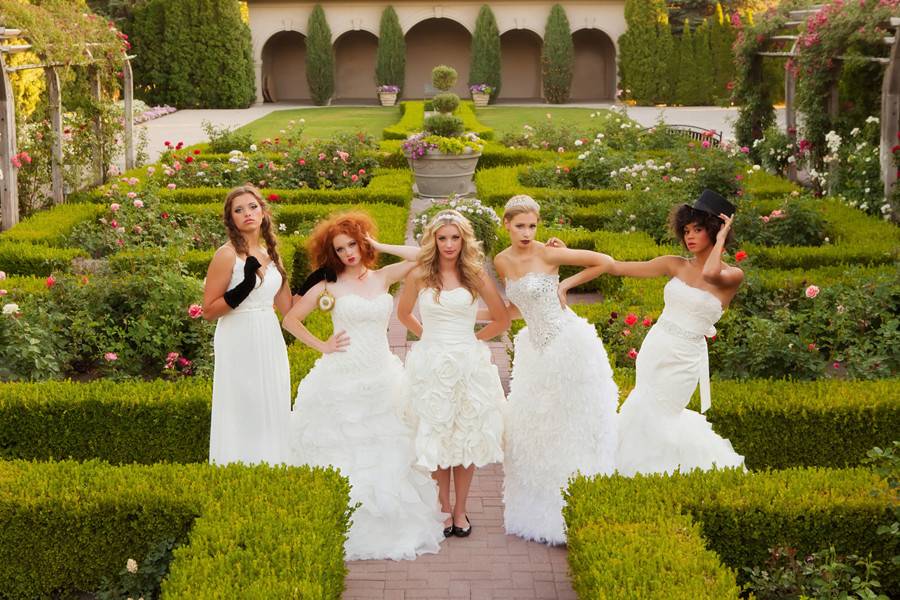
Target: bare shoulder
[{"x": 224, "y": 256}]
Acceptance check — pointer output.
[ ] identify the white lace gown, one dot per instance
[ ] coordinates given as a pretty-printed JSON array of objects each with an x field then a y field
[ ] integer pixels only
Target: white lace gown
[
  {"x": 455, "y": 390},
  {"x": 561, "y": 416},
  {"x": 657, "y": 434},
  {"x": 252, "y": 378},
  {"x": 348, "y": 414}
]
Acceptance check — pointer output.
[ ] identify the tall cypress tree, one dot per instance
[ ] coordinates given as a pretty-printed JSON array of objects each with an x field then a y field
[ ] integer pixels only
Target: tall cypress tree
[
  {"x": 319, "y": 57},
  {"x": 721, "y": 40},
  {"x": 636, "y": 48},
  {"x": 557, "y": 56},
  {"x": 485, "y": 65},
  {"x": 665, "y": 49},
  {"x": 704, "y": 78},
  {"x": 390, "y": 58},
  {"x": 684, "y": 89}
]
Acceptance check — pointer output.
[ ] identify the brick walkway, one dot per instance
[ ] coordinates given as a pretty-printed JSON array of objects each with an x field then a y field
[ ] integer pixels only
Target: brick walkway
[{"x": 488, "y": 564}]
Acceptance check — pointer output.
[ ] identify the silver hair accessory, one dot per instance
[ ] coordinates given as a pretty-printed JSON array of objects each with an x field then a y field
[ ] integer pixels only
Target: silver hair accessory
[
  {"x": 450, "y": 216},
  {"x": 523, "y": 200}
]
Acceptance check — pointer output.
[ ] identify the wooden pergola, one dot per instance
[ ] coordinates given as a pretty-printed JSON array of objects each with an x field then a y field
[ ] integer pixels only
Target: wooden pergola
[
  {"x": 890, "y": 89},
  {"x": 9, "y": 195}
]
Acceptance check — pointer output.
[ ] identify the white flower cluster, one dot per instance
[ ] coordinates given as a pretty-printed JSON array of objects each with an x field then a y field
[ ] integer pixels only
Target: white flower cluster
[{"x": 833, "y": 141}]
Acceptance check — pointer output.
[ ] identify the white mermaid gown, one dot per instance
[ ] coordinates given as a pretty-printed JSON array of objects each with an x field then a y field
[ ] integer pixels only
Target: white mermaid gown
[
  {"x": 348, "y": 414},
  {"x": 252, "y": 378},
  {"x": 657, "y": 434},
  {"x": 561, "y": 417},
  {"x": 455, "y": 389}
]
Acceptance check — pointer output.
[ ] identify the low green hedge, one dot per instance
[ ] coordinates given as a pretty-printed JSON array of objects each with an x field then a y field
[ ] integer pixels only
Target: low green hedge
[
  {"x": 497, "y": 185},
  {"x": 52, "y": 227},
  {"x": 762, "y": 185},
  {"x": 739, "y": 516},
  {"x": 466, "y": 112},
  {"x": 21, "y": 258},
  {"x": 825, "y": 423},
  {"x": 412, "y": 117},
  {"x": 19, "y": 288},
  {"x": 247, "y": 532}
]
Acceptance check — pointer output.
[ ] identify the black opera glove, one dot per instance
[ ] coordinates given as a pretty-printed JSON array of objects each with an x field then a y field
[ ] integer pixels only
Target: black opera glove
[
  {"x": 239, "y": 293},
  {"x": 320, "y": 274}
]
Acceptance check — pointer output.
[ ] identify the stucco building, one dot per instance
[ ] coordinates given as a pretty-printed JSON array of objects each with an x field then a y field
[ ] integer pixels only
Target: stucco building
[{"x": 435, "y": 34}]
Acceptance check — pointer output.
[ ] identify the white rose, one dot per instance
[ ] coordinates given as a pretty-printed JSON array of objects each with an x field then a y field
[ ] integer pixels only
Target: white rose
[
  {"x": 10, "y": 309},
  {"x": 252, "y": 147}
]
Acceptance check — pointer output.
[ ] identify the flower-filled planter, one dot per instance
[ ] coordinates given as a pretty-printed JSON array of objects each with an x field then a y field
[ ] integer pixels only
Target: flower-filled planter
[
  {"x": 443, "y": 166},
  {"x": 481, "y": 93},
  {"x": 387, "y": 94}
]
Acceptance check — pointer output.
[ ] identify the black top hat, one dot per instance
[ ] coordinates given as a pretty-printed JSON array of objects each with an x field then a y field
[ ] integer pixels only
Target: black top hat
[{"x": 713, "y": 203}]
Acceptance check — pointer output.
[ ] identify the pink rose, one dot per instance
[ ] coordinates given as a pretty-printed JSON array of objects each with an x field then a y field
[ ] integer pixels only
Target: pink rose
[
  {"x": 745, "y": 150},
  {"x": 705, "y": 143},
  {"x": 3, "y": 292},
  {"x": 354, "y": 177},
  {"x": 132, "y": 195},
  {"x": 811, "y": 347},
  {"x": 2, "y": 275},
  {"x": 626, "y": 332},
  {"x": 114, "y": 207},
  {"x": 171, "y": 186},
  {"x": 195, "y": 311},
  {"x": 812, "y": 291},
  {"x": 764, "y": 219},
  {"x": 138, "y": 203},
  {"x": 114, "y": 224},
  {"x": 110, "y": 356},
  {"x": 647, "y": 322},
  {"x": 632, "y": 354}
]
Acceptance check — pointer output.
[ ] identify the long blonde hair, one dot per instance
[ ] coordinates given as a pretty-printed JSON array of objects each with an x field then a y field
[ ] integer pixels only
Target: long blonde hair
[
  {"x": 266, "y": 228},
  {"x": 469, "y": 263}
]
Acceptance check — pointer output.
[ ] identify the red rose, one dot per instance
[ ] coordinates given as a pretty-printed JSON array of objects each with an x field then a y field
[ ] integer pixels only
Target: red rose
[
  {"x": 632, "y": 354},
  {"x": 273, "y": 197},
  {"x": 647, "y": 322},
  {"x": 165, "y": 215},
  {"x": 811, "y": 347},
  {"x": 167, "y": 143},
  {"x": 189, "y": 159},
  {"x": 50, "y": 281},
  {"x": 631, "y": 319},
  {"x": 196, "y": 151},
  {"x": 740, "y": 255}
]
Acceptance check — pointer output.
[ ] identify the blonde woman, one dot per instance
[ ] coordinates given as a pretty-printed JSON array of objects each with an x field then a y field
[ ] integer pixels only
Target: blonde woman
[
  {"x": 561, "y": 417},
  {"x": 455, "y": 389},
  {"x": 252, "y": 379}
]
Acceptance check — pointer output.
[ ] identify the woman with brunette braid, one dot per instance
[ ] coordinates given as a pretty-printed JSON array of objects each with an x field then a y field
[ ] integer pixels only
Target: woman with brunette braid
[{"x": 251, "y": 382}]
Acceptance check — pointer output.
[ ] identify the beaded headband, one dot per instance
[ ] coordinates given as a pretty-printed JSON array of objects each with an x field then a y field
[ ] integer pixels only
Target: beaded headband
[{"x": 523, "y": 200}]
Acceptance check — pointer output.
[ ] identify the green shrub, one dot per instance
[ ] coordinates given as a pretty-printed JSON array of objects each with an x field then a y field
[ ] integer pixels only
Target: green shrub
[
  {"x": 18, "y": 258},
  {"x": 497, "y": 185},
  {"x": 412, "y": 115},
  {"x": 51, "y": 227},
  {"x": 223, "y": 139},
  {"x": 390, "y": 57},
  {"x": 703, "y": 71},
  {"x": 739, "y": 516},
  {"x": 170, "y": 68},
  {"x": 444, "y": 125},
  {"x": 444, "y": 103},
  {"x": 557, "y": 56},
  {"x": 319, "y": 57},
  {"x": 639, "y": 61},
  {"x": 67, "y": 525},
  {"x": 485, "y": 63},
  {"x": 443, "y": 77},
  {"x": 466, "y": 112}
]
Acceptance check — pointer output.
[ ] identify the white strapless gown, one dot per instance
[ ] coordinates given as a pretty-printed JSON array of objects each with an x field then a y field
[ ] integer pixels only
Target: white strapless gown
[
  {"x": 561, "y": 416},
  {"x": 252, "y": 378},
  {"x": 455, "y": 390},
  {"x": 657, "y": 434},
  {"x": 348, "y": 414}
]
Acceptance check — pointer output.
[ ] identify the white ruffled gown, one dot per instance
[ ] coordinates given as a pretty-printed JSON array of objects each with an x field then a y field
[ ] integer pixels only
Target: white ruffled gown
[
  {"x": 252, "y": 378},
  {"x": 561, "y": 417},
  {"x": 348, "y": 414},
  {"x": 657, "y": 433},
  {"x": 455, "y": 389}
]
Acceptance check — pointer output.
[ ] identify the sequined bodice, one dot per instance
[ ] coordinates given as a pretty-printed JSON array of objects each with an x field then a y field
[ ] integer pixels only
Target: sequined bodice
[
  {"x": 689, "y": 311},
  {"x": 535, "y": 296}
]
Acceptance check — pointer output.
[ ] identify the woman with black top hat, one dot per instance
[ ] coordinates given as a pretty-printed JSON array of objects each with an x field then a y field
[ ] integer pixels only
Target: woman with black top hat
[{"x": 657, "y": 433}]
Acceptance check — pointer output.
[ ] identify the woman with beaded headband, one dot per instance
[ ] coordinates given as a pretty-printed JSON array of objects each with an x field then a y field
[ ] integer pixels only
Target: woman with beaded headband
[
  {"x": 561, "y": 413},
  {"x": 657, "y": 433},
  {"x": 455, "y": 390},
  {"x": 350, "y": 411},
  {"x": 251, "y": 381}
]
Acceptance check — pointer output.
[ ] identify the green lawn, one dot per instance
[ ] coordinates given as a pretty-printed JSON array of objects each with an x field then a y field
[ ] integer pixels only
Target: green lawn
[
  {"x": 510, "y": 119},
  {"x": 326, "y": 122}
]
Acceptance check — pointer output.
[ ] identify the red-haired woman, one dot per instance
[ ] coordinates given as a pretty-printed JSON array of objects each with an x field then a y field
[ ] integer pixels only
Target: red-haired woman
[
  {"x": 349, "y": 411},
  {"x": 251, "y": 382}
]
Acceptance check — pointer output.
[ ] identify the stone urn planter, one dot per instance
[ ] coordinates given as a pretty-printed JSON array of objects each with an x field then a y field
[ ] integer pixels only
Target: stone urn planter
[
  {"x": 480, "y": 99},
  {"x": 441, "y": 175},
  {"x": 387, "y": 98}
]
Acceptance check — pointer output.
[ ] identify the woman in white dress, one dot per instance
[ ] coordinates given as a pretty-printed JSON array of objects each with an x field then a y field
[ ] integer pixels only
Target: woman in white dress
[
  {"x": 350, "y": 406},
  {"x": 455, "y": 390},
  {"x": 561, "y": 413},
  {"x": 251, "y": 381},
  {"x": 657, "y": 433}
]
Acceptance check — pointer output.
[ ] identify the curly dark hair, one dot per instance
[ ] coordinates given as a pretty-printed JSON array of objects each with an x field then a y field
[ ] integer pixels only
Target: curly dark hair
[
  {"x": 354, "y": 224},
  {"x": 683, "y": 215}
]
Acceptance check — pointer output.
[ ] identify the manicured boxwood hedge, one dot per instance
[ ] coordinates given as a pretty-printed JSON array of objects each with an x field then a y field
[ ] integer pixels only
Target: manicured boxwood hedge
[
  {"x": 496, "y": 185},
  {"x": 412, "y": 116},
  {"x": 248, "y": 532},
  {"x": 647, "y": 537},
  {"x": 21, "y": 258},
  {"x": 51, "y": 227}
]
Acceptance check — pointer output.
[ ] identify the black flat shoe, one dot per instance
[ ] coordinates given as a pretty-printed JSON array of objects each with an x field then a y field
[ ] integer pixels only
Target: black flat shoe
[
  {"x": 460, "y": 532},
  {"x": 448, "y": 531}
]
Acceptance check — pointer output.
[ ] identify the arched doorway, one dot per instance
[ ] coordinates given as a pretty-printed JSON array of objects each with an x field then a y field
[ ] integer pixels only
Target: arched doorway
[
  {"x": 284, "y": 67},
  {"x": 434, "y": 42},
  {"x": 354, "y": 58},
  {"x": 520, "y": 65},
  {"x": 594, "y": 72}
]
